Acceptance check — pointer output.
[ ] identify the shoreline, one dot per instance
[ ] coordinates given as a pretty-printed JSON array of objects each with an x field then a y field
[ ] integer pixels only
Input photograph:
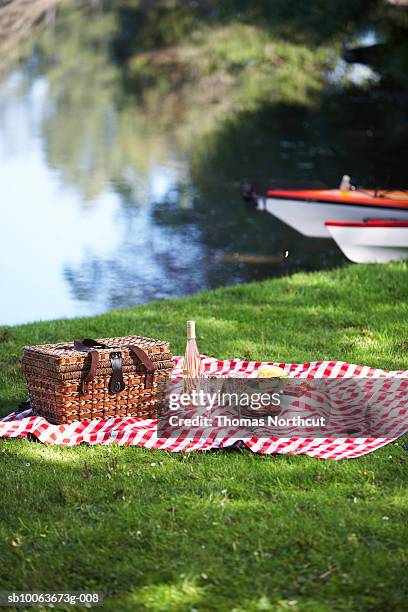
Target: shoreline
[{"x": 356, "y": 313}]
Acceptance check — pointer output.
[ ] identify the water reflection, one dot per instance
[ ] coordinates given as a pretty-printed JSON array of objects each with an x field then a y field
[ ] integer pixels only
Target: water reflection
[
  {"x": 71, "y": 254},
  {"x": 110, "y": 200},
  {"x": 45, "y": 227}
]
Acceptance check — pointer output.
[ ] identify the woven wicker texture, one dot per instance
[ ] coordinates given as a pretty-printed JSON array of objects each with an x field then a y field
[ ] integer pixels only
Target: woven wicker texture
[{"x": 55, "y": 375}]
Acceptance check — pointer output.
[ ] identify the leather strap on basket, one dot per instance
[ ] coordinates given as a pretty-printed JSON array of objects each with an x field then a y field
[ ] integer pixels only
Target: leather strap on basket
[
  {"x": 87, "y": 345},
  {"x": 146, "y": 361},
  {"x": 117, "y": 383}
]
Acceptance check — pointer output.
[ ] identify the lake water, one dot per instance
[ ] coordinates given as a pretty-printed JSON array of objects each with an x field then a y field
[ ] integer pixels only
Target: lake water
[{"x": 103, "y": 206}]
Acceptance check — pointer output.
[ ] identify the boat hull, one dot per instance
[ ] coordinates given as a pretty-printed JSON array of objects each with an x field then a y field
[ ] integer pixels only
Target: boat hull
[
  {"x": 371, "y": 244},
  {"x": 308, "y": 217}
]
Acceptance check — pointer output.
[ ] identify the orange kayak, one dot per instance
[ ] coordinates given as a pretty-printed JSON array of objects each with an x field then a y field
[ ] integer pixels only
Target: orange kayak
[
  {"x": 369, "y": 197},
  {"x": 306, "y": 208}
]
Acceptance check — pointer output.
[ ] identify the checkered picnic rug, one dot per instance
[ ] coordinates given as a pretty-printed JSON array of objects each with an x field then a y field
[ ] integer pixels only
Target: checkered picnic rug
[{"x": 143, "y": 432}]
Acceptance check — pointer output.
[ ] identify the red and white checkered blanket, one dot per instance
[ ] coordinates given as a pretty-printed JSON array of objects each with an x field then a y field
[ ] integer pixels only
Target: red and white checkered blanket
[{"x": 143, "y": 432}]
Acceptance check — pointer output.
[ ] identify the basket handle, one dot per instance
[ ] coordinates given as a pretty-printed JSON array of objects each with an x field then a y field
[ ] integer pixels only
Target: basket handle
[
  {"x": 146, "y": 361},
  {"x": 89, "y": 345}
]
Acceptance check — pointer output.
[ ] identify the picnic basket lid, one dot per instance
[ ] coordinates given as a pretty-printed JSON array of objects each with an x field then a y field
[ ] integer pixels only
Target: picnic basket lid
[{"x": 63, "y": 356}]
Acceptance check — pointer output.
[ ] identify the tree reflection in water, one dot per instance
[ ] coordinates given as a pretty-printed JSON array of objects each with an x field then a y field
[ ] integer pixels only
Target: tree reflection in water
[{"x": 169, "y": 108}]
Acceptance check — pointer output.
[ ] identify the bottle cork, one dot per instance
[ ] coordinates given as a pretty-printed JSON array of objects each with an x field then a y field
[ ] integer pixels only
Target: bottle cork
[{"x": 191, "y": 330}]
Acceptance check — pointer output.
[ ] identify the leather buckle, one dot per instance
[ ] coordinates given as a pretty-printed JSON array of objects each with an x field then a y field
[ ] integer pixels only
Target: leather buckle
[
  {"x": 117, "y": 383},
  {"x": 149, "y": 377}
]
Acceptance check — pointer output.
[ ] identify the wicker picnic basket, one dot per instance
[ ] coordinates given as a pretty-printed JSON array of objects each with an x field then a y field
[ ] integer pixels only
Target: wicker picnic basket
[{"x": 89, "y": 379}]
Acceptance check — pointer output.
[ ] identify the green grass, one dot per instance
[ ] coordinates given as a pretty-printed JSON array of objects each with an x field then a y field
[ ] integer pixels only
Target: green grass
[{"x": 227, "y": 529}]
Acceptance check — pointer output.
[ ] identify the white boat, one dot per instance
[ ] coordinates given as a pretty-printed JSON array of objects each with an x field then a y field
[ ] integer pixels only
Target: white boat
[
  {"x": 371, "y": 241},
  {"x": 307, "y": 209}
]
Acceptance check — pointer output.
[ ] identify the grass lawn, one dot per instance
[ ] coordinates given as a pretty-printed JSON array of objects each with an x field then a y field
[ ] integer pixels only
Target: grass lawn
[{"x": 225, "y": 530}]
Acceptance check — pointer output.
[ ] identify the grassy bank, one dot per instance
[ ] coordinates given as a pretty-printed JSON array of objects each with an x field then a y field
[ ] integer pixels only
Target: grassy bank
[{"x": 224, "y": 530}]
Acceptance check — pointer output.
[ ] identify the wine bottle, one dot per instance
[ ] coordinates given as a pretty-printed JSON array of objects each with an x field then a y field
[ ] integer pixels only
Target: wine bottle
[{"x": 192, "y": 361}]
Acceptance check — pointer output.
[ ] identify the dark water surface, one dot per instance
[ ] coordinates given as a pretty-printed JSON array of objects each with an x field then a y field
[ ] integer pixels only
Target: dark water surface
[{"x": 105, "y": 205}]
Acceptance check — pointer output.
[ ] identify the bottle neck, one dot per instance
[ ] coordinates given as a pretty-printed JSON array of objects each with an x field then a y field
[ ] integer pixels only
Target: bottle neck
[{"x": 191, "y": 330}]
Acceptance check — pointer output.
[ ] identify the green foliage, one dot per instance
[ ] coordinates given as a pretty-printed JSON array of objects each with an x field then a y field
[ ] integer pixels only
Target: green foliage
[
  {"x": 233, "y": 65},
  {"x": 99, "y": 103},
  {"x": 165, "y": 23},
  {"x": 222, "y": 530},
  {"x": 202, "y": 71}
]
